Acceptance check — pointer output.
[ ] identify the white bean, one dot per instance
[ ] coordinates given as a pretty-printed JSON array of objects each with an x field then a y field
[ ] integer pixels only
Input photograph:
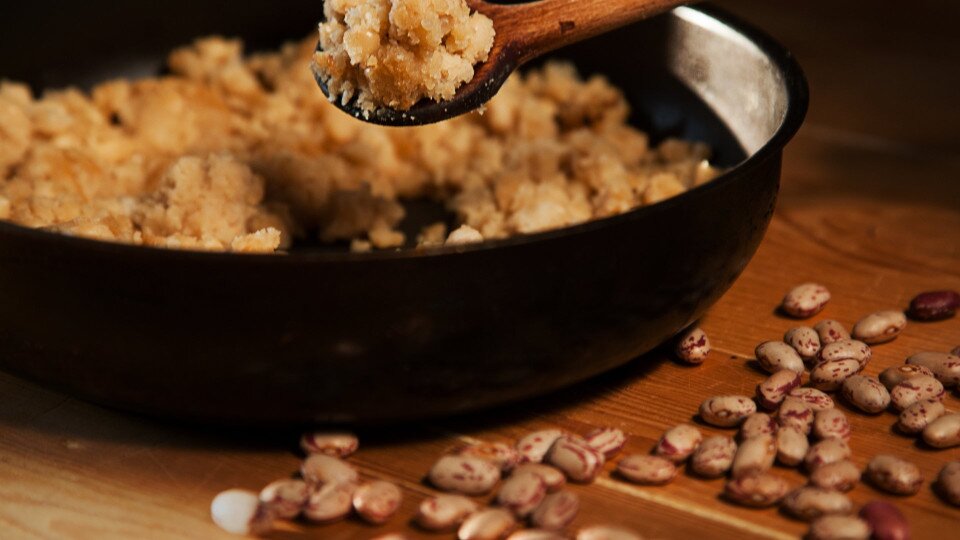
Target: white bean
[
  {"x": 880, "y": 327},
  {"x": 240, "y": 512}
]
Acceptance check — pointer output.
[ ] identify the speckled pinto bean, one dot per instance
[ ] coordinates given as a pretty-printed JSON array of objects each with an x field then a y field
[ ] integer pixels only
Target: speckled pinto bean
[
  {"x": 377, "y": 502},
  {"x": 757, "y": 490},
  {"x": 754, "y": 456},
  {"x": 792, "y": 446},
  {"x": 915, "y": 418},
  {"x": 726, "y": 411},
  {"x": 606, "y": 532},
  {"x": 445, "y": 512},
  {"x": 319, "y": 469},
  {"x": 866, "y": 394},
  {"x": 797, "y": 414},
  {"x": 578, "y": 461},
  {"x": 830, "y": 331},
  {"x": 894, "y": 475},
  {"x": 714, "y": 457},
  {"x": 757, "y": 424},
  {"x": 826, "y": 452},
  {"x": 464, "y": 474},
  {"x": 552, "y": 477},
  {"x": 693, "y": 346},
  {"x": 934, "y": 305},
  {"x": 522, "y": 493},
  {"x": 606, "y": 440},
  {"x": 895, "y": 375},
  {"x": 945, "y": 367},
  {"x": 841, "y": 476},
  {"x": 557, "y": 511},
  {"x": 846, "y": 349},
  {"x": 815, "y": 399},
  {"x": 771, "y": 392},
  {"x": 333, "y": 501},
  {"x": 489, "y": 524},
  {"x": 948, "y": 483},
  {"x": 839, "y": 528},
  {"x": 829, "y": 376},
  {"x": 885, "y": 520},
  {"x": 914, "y": 390},
  {"x": 810, "y": 503},
  {"x": 532, "y": 447},
  {"x": 647, "y": 470},
  {"x": 804, "y": 340},
  {"x": 285, "y": 498},
  {"x": 880, "y": 327},
  {"x": 944, "y": 432},
  {"x": 805, "y": 300},
  {"x": 338, "y": 444},
  {"x": 502, "y": 455},
  {"x": 678, "y": 442},
  {"x": 831, "y": 424},
  {"x": 776, "y": 355}
]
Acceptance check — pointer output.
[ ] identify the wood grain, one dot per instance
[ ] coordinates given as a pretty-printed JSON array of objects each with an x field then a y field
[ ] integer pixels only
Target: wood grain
[{"x": 870, "y": 206}]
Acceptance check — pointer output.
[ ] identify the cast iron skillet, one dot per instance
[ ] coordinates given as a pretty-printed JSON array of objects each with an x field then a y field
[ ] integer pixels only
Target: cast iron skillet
[{"x": 329, "y": 336}]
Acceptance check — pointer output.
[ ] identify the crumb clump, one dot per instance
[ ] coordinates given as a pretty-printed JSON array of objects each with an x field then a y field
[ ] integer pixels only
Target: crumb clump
[{"x": 393, "y": 53}]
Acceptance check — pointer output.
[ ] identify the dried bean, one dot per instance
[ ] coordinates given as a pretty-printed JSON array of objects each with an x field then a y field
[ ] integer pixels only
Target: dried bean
[
  {"x": 945, "y": 367},
  {"x": 804, "y": 340},
  {"x": 502, "y": 455},
  {"x": 771, "y": 392},
  {"x": 866, "y": 394},
  {"x": 839, "y": 528},
  {"x": 758, "y": 490},
  {"x": 330, "y": 502},
  {"x": 815, "y": 399},
  {"x": 576, "y": 459},
  {"x": 240, "y": 512},
  {"x": 647, "y": 470},
  {"x": 829, "y": 376},
  {"x": 810, "y": 503},
  {"x": 376, "y": 502},
  {"x": 914, "y": 390},
  {"x": 831, "y": 424},
  {"x": 464, "y": 474},
  {"x": 535, "y": 534},
  {"x": 846, "y": 349},
  {"x": 679, "y": 442},
  {"x": 841, "y": 476},
  {"x": 489, "y": 524},
  {"x": 693, "y": 346},
  {"x": 805, "y": 300},
  {"x": 445, "y": 512},
  {"x": 795, "y": 413},
  {"x": 792, "y": 446},
  {"x": 934, "y": 305},
  {"x": 776, "y": 355},
  {"x": 726, "y": 411},
  {"x": 714, "y": 457},
  {"x": 948, "y": 483},
  {"x": 830, "y": 331},
  {"x": 895, "y": 375},
  {"x": 885, "y": 520},
  {"x": 915, "y": 418},
  {"x": 522, "y": 493},
  {"x": 338, "y": 444},
  {"x": 391, "y": 536},
  {"x": 285, "y": 498},
  {"x": 754, "y": 456},
  {"x": 825, "y": 452},
  {"x": 894, "y": 475},
  {"x": 606, "y": 532},
  {"x": 608, "y": 441},
  {"x": 319, "y": 469},
  {"x": 944, "y": 432},
  {"x": 557, "y": 511},
  {"x": 757, "y": 424},
  {"x": 552, "y": 477},
  {"x": 534, "y": 446},
  {"x": 879, "y": 327}
]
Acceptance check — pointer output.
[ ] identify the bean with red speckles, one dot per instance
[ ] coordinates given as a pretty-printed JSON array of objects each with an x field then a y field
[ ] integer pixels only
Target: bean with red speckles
[
  {"x": 376, "y": 502},
  {"x": 693, "y": 346},
  {"x": 945, "y": 367},
  {"x": 502, "y": 455},
  {"x": 754, "y": 456},
  {"x": 757, "y": 490},
  {"x": 944, "y": 432},
  {"x": 810, "y": 503},
  {"x": 885, "y": 520},
  {"x": 726, "y": 411},
  {"x": 576, "y": 459},
  {"x": 880, "y": 326},
  {"x": 464, "y": 474},
  {"x": 894, "y": 475},
  {"x": 771, "y": 392},
  {"x": 804, "y": 340},
  {"x": 532, "y": 447},
  {"x": 866, "y": 394},
  {"x": 846, "y": 349},
  {"x": 792, "y": 446},
  {"x": 841, "y": 476},
  {"x": 647, "y": 470},
  {"x": 825, "y": 452},
  {"x": 757, "y": 424},
  {"x": 776, "y": 355},
  {"x": 489, "y": 524},
  {"x": 608, "y": 441},
  {"x": 714, "y": 457},
  {"x": 285, "y": 498},
  {"x": 839, "y": 528},
  {"x": 606, "y": 532},
  {"x": 338, "y": 444},
  {"x": 934, "y": 305},
  {"x": 552, "y": 477},
  {"x": 830, "y": 331},
  {"x": 795, "y": 413},
  {"x": 522, "y": 493},
  {"x": 445, "y": 512},
  {"x": 948, "y": 483},
  {"x": 831, "y": 424},
  {"x": 805, "y": 300},
  {"x": 914, "y": 390},
  {"x": 556, "y": 511},
  {"x": 319, "y": 469},
  {"x": 829, "y": 376},
  {"x": 678, "y": 443},
  {"x": 330, "y": 502},
  {"x": 895, "y": 375},
  {"x": 815, "y": 399},
  {"x": 915, "y": 418}
]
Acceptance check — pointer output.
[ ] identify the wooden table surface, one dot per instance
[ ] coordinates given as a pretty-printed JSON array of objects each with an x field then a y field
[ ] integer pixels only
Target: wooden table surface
[{"x": 870, "y": 207}]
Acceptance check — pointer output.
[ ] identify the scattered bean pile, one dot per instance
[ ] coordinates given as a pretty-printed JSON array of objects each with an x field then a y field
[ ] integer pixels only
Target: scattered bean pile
[{"x": 786, "y": 422}]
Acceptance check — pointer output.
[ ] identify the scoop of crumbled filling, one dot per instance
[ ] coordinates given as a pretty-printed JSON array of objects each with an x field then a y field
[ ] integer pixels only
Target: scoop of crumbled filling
[{"x": 394, "y": 53}]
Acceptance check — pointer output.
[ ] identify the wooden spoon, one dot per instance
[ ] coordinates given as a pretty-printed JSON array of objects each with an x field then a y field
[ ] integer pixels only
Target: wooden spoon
[{"x": 524, "y": 32}]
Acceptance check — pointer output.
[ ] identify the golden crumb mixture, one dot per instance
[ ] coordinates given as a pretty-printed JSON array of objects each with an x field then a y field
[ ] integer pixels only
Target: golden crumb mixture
[
  {"x": 246, "y": 154},
  {"x": 393, "y": 53}
]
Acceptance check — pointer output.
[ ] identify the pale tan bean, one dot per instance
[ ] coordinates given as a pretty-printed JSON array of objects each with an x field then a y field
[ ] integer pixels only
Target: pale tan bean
[
  {"x": 915, "y": 418},
  {"x": 880, "y": 327},
  {"x": 805, "y": 300},
  {"x": 792, "y": 446},
  {"x": 321, "y": 469},
  {"x": 945, "y": 367},
  {"x": 829, "y": 376},
  {"x": 337, "y": 444},
  {"x": 522, "y": 493},
  {"x": 607, "y": 440},
  {"x": 839, "y": 528},
  {"x": 557, "y": 511},
  {"x": 285, "y": 498},
  {"x": 815, "y": 399},
  {"x": 464, "y": 474},
  {"x": 825, "y": 452},
  {"x": 391, "y": 536},
  {"x": 757, "y": 490},
  {"x": 376, "y": 502},
  {"x": 754, "y": 456},
  {"x": 534, "y": 446},
  {"x": 536, "y": 534},
  {"x": 795, "y": 413},
  {"x": 445, "y": 512},
  {"x": 502, "y": 455},
  {"x": 895, "y": 375},
  {"x": 944, "y": 432},
  {"x": 810, "y": 503},
  {"x": 894, "y": 475},
  {"x": 846, "y": 349},
  {"x": 830, "y": 331},
  {"x": 693, "y": 346},
  {"x": 489, "y": 524},
  {"x": 772, "y": 392},
  {"x": 578, "y": 461},
  {"x": 606, "y": 532},
  {"x": 948, "y": 483},
  {"x": 841, "y": 476},
  {"x": 726, "y": 411},
  {"x": 552, "y": 477},
  {"x": 804, "y": 340},
  {"x": 776, "y": 355},
  {"x": 831, "y": 424},
  {"x": 757, "y": 424},
  {"x": 647, "y": 470},
  {"x": 714, "y": 457},
  {"x": 885, "y": 520},
  {"x": 240, "y": 512},
  {"x": 914, "y": 390},
  {"x": 678, "y": 443},
  {"x": 866, "y": 394},
  {"x": 330, "y": 502}
]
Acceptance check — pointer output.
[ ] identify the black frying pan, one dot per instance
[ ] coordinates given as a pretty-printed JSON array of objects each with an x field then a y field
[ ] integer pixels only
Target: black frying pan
[{"x": 330, "y": 336}]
